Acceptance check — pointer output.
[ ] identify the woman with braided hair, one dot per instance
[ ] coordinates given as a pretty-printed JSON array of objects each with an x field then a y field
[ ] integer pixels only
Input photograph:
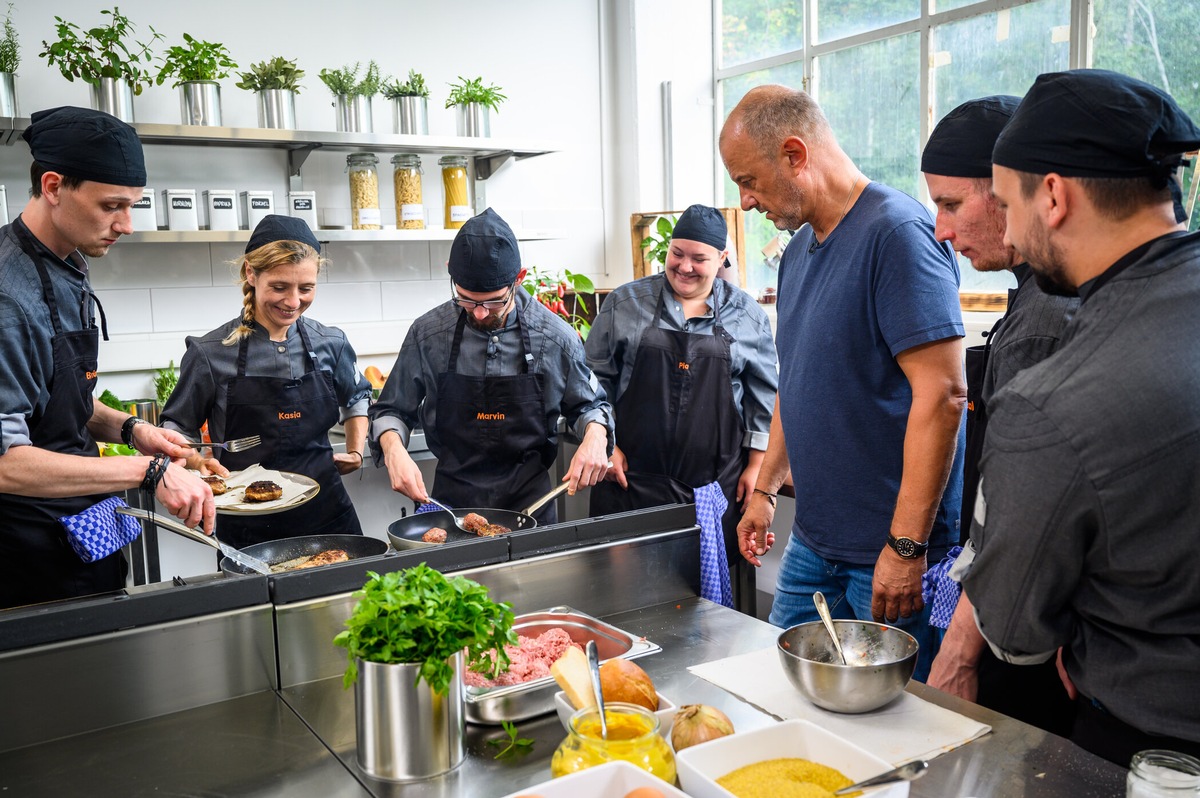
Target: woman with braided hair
[{"x": 288, "y": 379}]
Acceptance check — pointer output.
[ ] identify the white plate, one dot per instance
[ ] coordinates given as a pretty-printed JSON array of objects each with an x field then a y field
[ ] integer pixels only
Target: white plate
[
  {"x": 297, "y": 489},
  {"x": 665, "y": 714},
  {"x": 611, "y": 780},
  {"x": 701, "y": 765}
]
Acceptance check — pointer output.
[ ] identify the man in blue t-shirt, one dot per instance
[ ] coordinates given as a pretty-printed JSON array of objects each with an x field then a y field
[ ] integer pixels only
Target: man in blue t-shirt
[{"x": 869, "y": 415}]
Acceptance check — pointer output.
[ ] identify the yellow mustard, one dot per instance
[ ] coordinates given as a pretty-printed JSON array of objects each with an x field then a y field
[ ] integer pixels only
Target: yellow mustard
[{"x": 632, "y": 737}]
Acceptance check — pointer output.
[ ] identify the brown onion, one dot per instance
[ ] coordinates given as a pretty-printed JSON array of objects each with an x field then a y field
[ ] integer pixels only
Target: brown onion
[{"x": 698, "y": 723}]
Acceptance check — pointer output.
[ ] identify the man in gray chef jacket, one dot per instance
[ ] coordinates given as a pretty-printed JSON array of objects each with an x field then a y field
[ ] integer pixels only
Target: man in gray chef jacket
[
  {"x": 87, "y": 171},
  {"x": 487, "y": 375},
  {"x": 957, "y": 163},
  {"x": 1086, "y": 536}
]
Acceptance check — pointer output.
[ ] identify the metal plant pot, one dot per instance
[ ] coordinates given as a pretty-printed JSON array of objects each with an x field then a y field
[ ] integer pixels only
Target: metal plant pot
[
  {"x": 354, "y": 114},
  {"x": 277, "y": 108},
  {"x": 410, "y": 115},
  {"x": 471, "y": 119},
  {"x": 114, "y": 96},
  {"x": 8, "y": 94},
  {"x": 405, "y": 730},
  {"x": 200, "y": 102}
]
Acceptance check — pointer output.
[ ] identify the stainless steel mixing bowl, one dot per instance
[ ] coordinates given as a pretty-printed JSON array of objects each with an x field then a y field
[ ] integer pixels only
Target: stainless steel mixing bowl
[{"x": 882, "y": 660}]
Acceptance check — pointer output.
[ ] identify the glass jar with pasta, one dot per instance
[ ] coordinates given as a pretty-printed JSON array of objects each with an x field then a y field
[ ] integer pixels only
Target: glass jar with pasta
[
  {"x": 406, "y": 176},
  {"x": 364, "y": 191},
  {"x": 457, "y": 190}
]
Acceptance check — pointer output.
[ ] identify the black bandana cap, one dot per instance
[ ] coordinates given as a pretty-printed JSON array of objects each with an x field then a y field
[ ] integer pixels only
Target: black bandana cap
[
  {"x": 704, "y": 224},
  {"x": 484, "y": 256},
  {"x": 1096, "y": 123},
  {"x": 274, "y": 227},
  {"x": 961, "y": 144},
  {"x": 86, "y": 144}
]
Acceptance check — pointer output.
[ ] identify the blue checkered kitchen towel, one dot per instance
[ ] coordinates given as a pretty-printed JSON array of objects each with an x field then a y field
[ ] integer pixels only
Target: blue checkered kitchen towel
[
  {"x": 714, "y": 566},
  {"x": 426, "y": 508},
  {"x": 98, "y": 531},
  {"x": 941, "y": 592}
]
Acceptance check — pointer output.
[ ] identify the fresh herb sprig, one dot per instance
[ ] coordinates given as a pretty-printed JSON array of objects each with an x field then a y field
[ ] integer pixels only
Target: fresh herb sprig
[
  {"x": 195, "y": 60},
  {"x": 10, "y": 45},
  {"x": 165, "y": 381},
  {"x": 517, "y": 746},
  {"x": 394, "y": 88},
  {"x": 473, "y": 91},
  {"x": 101, "y": 52},
  {"x": 345, "y": 80},
  {"x": 418, "y": 615},
  {"x": 278, "y": 73}
]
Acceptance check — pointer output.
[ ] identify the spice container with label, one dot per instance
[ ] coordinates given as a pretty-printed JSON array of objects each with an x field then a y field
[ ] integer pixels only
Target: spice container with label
[
  {"x": 406, "y": 175},
  {"x": 222, "y": 212},
  {"x": 457, "y": 190},
  {"x": 181, "y": 209},
  {"x": 364, "y": 191},
  {"x": 142, "y": 214},
  {"x": 256, "y": 205},
  {"x": 303, "y": 205}
]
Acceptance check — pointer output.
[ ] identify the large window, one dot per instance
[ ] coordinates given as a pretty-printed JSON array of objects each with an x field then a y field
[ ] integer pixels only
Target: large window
[{"x": 864, "y": 62}]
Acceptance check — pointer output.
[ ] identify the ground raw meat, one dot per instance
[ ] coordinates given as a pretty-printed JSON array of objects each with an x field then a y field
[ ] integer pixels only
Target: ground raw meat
[{"x": 531, "y": 659}]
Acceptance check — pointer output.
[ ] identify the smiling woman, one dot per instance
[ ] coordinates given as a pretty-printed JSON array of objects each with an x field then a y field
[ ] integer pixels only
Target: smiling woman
[{"x": 269, "y": 372}]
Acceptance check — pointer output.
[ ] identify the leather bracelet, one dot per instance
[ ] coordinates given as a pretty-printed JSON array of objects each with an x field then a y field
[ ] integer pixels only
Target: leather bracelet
[
  {"x": 155, "y": 472},
  {"x": 770, "y": 496},
  {"x": 127, "y": 429},
  {"x": 360, "y": 457}
]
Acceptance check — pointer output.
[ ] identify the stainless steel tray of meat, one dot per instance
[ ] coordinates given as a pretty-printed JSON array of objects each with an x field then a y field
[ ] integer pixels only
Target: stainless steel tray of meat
[{"x": 495, "y": 705}]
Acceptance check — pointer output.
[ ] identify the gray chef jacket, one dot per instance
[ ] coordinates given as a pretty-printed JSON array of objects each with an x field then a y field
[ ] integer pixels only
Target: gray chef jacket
[
  {"x": 410, "y": 396},
  {"x": 1091, "y": 479},
  {"x": 612, "y": 345}
]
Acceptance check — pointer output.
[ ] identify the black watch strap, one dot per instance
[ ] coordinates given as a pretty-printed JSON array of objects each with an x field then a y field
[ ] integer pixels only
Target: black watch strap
[
  {"x": 907, "y": 548},
  {"x": 127, "y": 429}
]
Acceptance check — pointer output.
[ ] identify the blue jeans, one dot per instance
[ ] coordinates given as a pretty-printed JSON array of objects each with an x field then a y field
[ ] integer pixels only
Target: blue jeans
[{"x": 847, "y": 589}]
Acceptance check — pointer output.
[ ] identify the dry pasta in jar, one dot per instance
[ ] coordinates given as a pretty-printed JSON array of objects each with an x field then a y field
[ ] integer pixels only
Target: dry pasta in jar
[
  {"x": 364, "y": 191},
  {"x": 406, "y": 177},
  {"x": 456, "y": 189}
]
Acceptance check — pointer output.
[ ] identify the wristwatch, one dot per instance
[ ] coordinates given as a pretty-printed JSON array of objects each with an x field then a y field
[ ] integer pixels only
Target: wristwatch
[
  {"x": 907, "y": 548},
  {"x": 127, "y": 429}
]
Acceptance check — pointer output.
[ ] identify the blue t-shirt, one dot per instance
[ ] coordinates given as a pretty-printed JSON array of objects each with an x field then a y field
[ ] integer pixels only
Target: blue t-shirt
[{"x": 879, "y": 284}]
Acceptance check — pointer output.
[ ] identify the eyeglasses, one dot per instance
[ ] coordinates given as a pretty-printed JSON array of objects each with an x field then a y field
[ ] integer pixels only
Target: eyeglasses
[{"x": 491, "y": 305}]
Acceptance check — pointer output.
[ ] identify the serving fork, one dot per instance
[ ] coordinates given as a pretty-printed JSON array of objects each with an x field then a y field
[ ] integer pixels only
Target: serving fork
[{"x": 235, "y": 445}]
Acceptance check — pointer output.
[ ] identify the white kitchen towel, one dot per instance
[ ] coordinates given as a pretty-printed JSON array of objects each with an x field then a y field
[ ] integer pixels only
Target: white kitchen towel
[{"x": 908, "y": 728}]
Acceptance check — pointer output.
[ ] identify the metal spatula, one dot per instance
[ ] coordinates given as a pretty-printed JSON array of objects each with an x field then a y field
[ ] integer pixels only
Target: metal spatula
[{"x": 239, "y": 557}]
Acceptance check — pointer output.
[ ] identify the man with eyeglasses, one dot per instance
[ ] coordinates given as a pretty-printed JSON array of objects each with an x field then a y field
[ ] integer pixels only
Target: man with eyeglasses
[{"x": 487, "y": 375}]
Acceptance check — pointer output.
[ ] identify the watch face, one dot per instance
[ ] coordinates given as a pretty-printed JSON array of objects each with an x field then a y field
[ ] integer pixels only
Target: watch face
[{"x": 906, "y": 548}]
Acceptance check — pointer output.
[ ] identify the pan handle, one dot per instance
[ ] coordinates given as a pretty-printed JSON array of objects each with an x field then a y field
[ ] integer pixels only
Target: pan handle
[{"x": 171, "y": 524}]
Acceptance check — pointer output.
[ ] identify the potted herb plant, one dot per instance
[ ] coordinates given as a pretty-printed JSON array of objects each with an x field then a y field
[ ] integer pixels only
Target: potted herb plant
[
  {"x": 655, "y": 247},
  {"x": 10, "y": 59},
  {"x": 196, "y": 66},
  {"x": 563, "y": 296},
  {"x": 105, "y": 57},
  {"x": 406, "y": 640},
  {"x": 410, "y": 103},
  {"x": 276, "y": 83},
  {"x": 474, "y": 102},
  {"x": 353, "y": 95}
]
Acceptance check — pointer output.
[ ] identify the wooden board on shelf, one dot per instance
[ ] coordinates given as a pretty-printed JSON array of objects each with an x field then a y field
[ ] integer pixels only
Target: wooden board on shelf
[
  {"x": 988, "y": 303},
  {"x": 642, "y": 225}
]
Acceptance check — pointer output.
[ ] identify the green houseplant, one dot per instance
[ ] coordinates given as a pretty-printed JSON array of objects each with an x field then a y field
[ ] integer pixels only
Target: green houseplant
[
  {"x": 276, "y": 83},
  {"x": 196, "y": 66},
  {"x": 406, "y": 639},
  {"x": 353, "y": 95},
  {"x": 474, "y": 101},
  {"x": 552, "y": 289},
  {"x": 107, "y": 57},
  {"x": 410, "y": 103},
  {"x": 10, "y": 59},
  {"x": 656, "y": 246}
]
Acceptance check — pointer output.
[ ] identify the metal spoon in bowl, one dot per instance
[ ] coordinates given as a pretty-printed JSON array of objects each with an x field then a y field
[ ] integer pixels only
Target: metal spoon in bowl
[
  {"x": 906, "y": 772},
  {"x": 823, "y": 611},
  {"x": 594, "y": 669}
]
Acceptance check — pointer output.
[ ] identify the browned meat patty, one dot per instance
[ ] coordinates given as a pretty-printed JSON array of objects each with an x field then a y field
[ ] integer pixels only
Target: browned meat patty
[
  {"x": 435, "y": 535},
  {"x": 474, "y": 522},
  {"x": 324, "y": 558},
  {"x": 263, "y": 491},
  {"x": 216, "y": 483},
  {"x": 491, "y": 530}
]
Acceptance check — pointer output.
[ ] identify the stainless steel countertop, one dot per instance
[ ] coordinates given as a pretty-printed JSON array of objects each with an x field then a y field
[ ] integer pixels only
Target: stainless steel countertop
[{"x": 300, "y": 742}]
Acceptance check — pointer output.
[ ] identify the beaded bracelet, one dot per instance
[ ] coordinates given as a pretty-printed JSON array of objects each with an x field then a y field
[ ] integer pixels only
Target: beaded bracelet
[
  {"x": 155, "y": 472},
  {"x": 770, "y": 496}
]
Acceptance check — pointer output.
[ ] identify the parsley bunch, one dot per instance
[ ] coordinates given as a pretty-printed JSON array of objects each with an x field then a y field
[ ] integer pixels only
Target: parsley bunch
[{"x": 418, "y": 615}]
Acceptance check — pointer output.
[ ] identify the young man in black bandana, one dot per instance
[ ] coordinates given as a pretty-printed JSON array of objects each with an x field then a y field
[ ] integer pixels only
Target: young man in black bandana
[
  {"x": 1086, "y": 538},
  {"x": 87, "y": 171}
]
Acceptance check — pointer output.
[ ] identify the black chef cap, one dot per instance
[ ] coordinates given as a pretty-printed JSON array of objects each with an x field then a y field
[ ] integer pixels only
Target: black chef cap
[
  {"x": 484, "y": 256},
  {"x": 704, "y": 224},
  {"x": 87, "y": 144},
  {"x": 961, "y": 144},
  {"x": 1096, "y": 123},
  {"x": 274, "y": 227}
]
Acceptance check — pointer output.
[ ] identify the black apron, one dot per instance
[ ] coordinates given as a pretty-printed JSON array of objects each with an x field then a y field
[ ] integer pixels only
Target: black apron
[
  {"x": 294, "y": 418},
  {"x": 678, "y": 424},
  {"x": 494, "y": 443},
  {"x": 36, "y": 561}
]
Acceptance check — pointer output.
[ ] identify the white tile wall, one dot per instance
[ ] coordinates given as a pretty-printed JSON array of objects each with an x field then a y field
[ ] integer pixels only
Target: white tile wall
[
  {"x": 187, "y": 310},
  {"x": 126, "y": 311},
  {"x": 378, "y": 261},
  {"x": 409, "y": 300},
  {"x": 130, "y": 265},
  {"x": 337, "y": 303}
]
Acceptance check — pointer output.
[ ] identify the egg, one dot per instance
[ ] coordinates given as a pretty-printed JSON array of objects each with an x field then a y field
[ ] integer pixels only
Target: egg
[{"x": 644, "y": 792}]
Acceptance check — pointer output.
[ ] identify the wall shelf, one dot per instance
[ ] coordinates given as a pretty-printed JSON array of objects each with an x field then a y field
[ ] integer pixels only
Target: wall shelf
[
  {"x": 489, "y": 154},
  {"x": 325, "y": 236}
]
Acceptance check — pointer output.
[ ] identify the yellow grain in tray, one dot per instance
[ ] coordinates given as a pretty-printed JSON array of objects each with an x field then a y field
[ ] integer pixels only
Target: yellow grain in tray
[{"x": 785, "y": 778}]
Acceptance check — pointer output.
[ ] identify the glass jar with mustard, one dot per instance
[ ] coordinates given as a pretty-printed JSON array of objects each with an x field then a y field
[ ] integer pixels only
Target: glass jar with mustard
[{"x": 632, "y": 736}]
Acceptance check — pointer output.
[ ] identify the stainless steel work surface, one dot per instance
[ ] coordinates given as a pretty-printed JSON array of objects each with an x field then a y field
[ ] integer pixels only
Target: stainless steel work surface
[
  {"x": 249, "y": 746},
  {"x": 1014, "y": 760}
]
